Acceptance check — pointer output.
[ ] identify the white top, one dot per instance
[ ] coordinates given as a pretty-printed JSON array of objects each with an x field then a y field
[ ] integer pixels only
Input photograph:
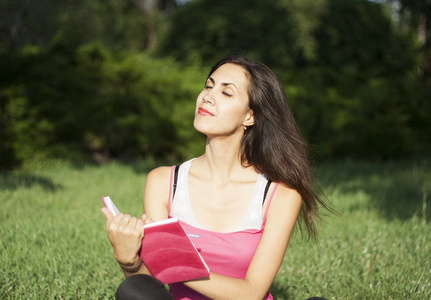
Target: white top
[{"x": 181, "y": 207}]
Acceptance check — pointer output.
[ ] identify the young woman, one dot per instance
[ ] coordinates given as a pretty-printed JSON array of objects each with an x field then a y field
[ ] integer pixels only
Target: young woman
[{"x": 242, "y": 197}]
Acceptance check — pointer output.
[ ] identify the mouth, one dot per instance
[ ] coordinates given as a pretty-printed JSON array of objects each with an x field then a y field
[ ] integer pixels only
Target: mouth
[{"x": 204, "y": 112}]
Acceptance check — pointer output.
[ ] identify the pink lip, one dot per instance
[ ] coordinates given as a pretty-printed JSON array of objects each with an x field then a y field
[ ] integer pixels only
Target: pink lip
[{"x": 204, "y": 112}]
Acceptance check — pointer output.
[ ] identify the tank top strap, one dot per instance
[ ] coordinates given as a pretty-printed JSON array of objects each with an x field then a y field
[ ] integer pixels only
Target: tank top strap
[
  {"x": 269, "y": 202},
  {"x": 174, "y": 169}
]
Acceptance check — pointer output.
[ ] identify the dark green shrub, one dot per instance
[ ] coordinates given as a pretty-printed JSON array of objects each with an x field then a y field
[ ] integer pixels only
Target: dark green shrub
[{"x": 87, "y": 100}]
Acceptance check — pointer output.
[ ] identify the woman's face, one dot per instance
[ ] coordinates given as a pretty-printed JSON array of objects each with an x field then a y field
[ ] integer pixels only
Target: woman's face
[{"x": 222, "y": 106}]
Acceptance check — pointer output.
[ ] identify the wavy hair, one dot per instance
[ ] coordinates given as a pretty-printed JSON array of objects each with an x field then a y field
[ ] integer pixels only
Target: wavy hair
[{"x": 274, "y": 145}]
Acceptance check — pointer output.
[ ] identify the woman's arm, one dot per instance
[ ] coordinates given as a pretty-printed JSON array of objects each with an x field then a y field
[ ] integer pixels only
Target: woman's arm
[
  {"x": 125, "y": 232},
  {"x": 156, "y": 193},
  {"x": 281, "y": 218}
]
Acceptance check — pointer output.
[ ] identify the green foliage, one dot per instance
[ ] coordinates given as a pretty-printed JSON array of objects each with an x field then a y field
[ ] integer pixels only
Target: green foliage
[
  {"x": 417, "y": 14},
  {"x": 54, "y": 243},
  {"x": 91, "y": 101},
  {"x": 381, "y": 118},
  {"x": 78, "y": 83},
  {"x": 359, "y": 41},
  {"x": 206, "y": 31},
  {"x": 360, "y": 97},
  {"x": 37, "y": 22},
  {"x": 305, "y": 17}
]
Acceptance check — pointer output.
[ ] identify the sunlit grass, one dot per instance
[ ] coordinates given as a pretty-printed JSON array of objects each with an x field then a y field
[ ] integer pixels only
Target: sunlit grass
[{"x": 53, "y": 243}]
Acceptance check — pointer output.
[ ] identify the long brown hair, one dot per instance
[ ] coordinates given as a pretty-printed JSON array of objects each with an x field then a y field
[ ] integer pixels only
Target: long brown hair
[{"x": 274, "y": 145}]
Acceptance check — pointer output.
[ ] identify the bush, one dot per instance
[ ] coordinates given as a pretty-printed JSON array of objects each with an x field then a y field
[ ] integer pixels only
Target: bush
[
  {"x": 381, "y": 118},
  {"x": 91, "y": 101}
]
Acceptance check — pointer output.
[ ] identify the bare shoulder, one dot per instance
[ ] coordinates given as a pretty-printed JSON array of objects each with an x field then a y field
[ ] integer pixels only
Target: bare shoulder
[
  {"x": 285, "y": 203},
  {"x": 159, "y": 174},
  {"x": 156, "y": 193},
  {"x": 287, "y": 193},
  {"x": 158, "y": 182}
]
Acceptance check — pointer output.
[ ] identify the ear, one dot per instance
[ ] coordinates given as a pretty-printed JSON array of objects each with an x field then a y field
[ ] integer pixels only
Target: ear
[{"x": 249, "y": 118}]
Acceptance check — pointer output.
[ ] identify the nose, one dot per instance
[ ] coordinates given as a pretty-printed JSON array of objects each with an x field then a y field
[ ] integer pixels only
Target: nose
[{"x": 208, "y": 98}]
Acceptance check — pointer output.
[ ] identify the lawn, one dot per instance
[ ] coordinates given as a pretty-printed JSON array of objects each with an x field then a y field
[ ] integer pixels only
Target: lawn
[{"x": 53, "y": 243}]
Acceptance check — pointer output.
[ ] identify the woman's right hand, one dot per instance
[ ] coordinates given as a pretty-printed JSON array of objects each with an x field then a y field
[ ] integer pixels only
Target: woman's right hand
[{"x": 125, "y": 234}]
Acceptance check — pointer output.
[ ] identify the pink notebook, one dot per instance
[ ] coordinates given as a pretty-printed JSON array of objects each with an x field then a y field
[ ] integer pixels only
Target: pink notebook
[
  {"x": 169, "y": 254},
  {"x": 167, "y": 251}
]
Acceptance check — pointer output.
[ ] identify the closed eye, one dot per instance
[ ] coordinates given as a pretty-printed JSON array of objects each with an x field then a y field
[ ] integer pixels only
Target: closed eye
[{"x": 209, "y": 83}]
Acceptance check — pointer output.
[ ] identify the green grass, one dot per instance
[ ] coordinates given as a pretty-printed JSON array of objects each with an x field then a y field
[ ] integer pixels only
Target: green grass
[{"x": 53, "y": 243}]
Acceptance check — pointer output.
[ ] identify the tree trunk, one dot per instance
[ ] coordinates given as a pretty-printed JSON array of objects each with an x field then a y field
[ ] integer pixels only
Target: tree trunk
[{"x": 149, "y": 11}]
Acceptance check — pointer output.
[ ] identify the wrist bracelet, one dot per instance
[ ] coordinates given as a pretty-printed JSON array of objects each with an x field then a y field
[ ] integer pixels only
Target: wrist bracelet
[{"x": 131, "y": 268}]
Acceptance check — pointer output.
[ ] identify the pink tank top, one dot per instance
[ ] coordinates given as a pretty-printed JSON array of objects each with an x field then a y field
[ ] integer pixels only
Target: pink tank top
[{"x": 227, "y": 254}]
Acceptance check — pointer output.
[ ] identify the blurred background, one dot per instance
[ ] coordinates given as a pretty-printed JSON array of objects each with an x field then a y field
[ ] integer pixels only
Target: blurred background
[
  {"x": 117, "y": 79},
  {"x": 93, "y": 94}
]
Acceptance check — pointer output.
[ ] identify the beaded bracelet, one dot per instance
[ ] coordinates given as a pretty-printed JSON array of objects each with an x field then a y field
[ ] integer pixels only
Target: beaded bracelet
[{"x": 131, "y": 268}]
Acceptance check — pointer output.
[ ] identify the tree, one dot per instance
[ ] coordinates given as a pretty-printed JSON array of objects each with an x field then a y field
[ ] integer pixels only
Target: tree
[
  {"x": 152, "y": 11},
  {"x": 276, "y": 32},
  {"x": 357, "y": 40},
  {"x": 28, "y": 22},
  {"x": 357, "y": 98},
  {"x": 128, "y": 24},
  {"x": 305, "y": 19},
  {"x": 417, "y": 13}
]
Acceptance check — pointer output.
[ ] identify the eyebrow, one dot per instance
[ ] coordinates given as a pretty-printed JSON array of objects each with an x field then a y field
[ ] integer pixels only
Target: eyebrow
[{"x": 224, "y": 83}]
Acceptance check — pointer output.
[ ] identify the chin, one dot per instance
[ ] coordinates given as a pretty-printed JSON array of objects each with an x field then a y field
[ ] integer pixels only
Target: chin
[
  {"x": 198, "y": 126},
  {"x": 203, "y": 128}
]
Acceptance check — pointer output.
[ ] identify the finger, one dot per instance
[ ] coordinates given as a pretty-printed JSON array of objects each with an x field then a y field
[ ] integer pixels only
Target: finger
[
  {"x": 118, "y": 221},
  {"x": 140, "y": 225},
  {"x": 120, "y": 217},
  {"x": 146, "y": 219},
  {"x": 132, "y": 222},
  {"x": 109, "y": 216},
  {"x": 137, "y": 225},
  {"x": 126, "y": 218}
]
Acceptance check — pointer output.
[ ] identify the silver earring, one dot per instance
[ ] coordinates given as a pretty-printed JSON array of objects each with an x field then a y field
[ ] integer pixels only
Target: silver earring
[{"x": 245, "y": 127}]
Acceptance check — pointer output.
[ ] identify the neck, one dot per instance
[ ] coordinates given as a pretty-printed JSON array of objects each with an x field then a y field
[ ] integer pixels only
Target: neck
[{"x": 223, "y": 159}]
